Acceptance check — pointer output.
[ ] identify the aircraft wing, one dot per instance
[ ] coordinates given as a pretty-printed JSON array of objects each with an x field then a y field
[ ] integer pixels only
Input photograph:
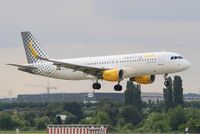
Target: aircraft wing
[
  {"x": 23, "y": 67},
  {"x": 86, "y": 69}
]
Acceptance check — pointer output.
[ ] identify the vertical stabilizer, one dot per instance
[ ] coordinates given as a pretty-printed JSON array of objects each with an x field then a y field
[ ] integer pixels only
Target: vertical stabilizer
[{"x": 32, "y": 48}]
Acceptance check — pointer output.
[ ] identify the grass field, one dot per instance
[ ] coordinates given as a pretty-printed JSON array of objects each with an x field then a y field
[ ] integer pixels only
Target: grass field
[{"x": 23, "y": 132}]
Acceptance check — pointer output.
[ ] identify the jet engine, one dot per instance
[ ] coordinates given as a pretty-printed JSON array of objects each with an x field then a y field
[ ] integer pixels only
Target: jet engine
[
  {"x": 147, "y": 79},
  {"x": 112, "y": 75}
]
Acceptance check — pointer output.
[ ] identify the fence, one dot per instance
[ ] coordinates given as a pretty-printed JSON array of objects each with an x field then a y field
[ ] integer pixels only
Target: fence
[{"x": 77, "y": 129}]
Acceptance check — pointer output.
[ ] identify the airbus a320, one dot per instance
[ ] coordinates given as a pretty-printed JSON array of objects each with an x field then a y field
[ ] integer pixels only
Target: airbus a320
[{"x": 140, "y": 68}]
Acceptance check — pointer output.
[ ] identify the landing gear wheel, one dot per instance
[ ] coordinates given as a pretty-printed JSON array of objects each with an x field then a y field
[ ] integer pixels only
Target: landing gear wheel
[
  {"x": 96, "y": 86},
  {"x": 118, "y": 87},
  {"x": 166, "y": 83}
]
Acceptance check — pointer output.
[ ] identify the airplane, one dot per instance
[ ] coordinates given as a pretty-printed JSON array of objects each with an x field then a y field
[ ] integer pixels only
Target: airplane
[{"x": 140, "y": 68}]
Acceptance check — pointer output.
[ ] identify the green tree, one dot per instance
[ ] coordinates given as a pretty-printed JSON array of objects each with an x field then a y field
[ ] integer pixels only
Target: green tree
[
  {"x": 113, "y": 115},
  {"x": 40, "y": 124},
  {"x": 6, "y": 122},
  {"x": 177, "y": 91},
  {"x": 111, "y": 108},
  {"x": 75, "y": 108},
  {"x": 193, "y": 120},
  {"x": 133, "y": 95},
  {"x": 88, "y": 120},
  {"x": 193, "y": 126},
  {"x": 71, "y": 119},
  {"x": 176, "y": 117},
  {"x": 30, "y": 117},
  {"x": 131, "y": 115},
  {"x": 18, "y": 123},
  {"x": 156, "y": 122},
  {"x": 160, "y": 126},
  {"x": 168, "y": 95},
  {"x": 102, "y": 118},
  {"x": 129, "y": 93}
]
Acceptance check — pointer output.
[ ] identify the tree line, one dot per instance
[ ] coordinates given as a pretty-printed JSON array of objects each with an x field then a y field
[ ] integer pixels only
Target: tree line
[{"x": 134, "y": 115}]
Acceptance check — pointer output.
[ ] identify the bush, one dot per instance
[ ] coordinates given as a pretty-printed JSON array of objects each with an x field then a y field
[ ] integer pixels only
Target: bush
[
  {"x": 176, "y": 117},
  {"x": 18, "y": 123},
  {"x": 6, "y": 122},
  {"x": 40, "y": 124},
  {"x": 74, "y": 108},
  {"x": 131, "y": 115},
  {"x": 102, "y": 118},
  {"x": 155, "y": 122},
  {"x": 71, "y": 119}
]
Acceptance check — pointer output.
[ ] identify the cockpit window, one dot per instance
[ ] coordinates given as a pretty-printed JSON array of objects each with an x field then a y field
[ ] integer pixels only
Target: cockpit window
[{"x": 176, "y": 57}]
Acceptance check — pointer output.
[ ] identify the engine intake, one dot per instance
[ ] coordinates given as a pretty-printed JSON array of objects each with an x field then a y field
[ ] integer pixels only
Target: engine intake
[{"x": 147, "y": 79}]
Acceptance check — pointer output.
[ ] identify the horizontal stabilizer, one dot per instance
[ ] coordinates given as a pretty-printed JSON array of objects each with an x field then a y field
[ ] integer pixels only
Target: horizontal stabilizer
[{"x": 23, "y": 67}]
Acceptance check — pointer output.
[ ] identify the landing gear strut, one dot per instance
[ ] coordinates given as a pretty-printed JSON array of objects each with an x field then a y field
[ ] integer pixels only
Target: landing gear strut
[
  {"x": 118, "y": 87},
  {"x": 166, "y": 83},
  {"x": 96, "y": 85}
]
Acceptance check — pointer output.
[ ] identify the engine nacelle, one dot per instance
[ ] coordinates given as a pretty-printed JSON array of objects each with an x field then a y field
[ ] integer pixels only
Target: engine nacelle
[
  {"x": 147, "y": 79},
  {"x": 112, "y": 75}
]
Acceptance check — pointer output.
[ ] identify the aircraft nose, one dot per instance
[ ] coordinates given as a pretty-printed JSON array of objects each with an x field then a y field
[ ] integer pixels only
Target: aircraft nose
[{"x": 187, "y": 64}]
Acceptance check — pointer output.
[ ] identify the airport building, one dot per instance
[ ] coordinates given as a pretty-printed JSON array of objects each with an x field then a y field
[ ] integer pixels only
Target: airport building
[
  {"x": 89, "y": 97},
  {"x": 79, "y": 97}
]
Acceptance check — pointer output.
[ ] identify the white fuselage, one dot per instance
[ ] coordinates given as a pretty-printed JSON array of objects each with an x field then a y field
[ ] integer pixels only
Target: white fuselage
[{"x": 141, "y": 64}]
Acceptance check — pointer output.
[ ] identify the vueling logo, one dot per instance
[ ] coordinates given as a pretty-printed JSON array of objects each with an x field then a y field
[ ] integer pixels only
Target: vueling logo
[{"x": 33, "y": 51}]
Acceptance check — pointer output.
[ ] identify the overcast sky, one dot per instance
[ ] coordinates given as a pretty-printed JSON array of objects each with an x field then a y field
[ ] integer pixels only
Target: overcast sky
[{"x": 76, "y": 28}]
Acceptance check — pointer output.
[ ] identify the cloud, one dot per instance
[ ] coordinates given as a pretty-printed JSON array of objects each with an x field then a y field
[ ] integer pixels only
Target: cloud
[{"x": 154, "y": 10}]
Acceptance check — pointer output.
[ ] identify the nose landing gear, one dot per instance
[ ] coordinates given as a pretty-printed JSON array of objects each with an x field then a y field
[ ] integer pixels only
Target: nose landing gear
[{"x": 166, "y": 83}]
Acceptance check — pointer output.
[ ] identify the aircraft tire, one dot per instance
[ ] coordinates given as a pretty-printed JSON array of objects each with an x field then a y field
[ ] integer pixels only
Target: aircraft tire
[
  {"x": 166, "y": 83},
  {"x": 118, "y": 87},
  {"x": 96, "y": 86}
]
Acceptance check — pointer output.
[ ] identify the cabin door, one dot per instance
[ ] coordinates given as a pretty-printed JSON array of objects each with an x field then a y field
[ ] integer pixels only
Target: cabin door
[{"x": 161, "y": 59}]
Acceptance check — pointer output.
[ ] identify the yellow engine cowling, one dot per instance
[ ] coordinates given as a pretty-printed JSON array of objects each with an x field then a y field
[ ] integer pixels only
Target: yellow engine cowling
[
  {"x": 112, "y": 75},
  {"x": 147, "y": 79}
]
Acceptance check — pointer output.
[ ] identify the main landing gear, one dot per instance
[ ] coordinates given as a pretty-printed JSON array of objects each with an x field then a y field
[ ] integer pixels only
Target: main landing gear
[
  {"x": 118, "y": 87},
  {"x": 166, "y": 83},
  {"x": 97, "y": 86}
]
